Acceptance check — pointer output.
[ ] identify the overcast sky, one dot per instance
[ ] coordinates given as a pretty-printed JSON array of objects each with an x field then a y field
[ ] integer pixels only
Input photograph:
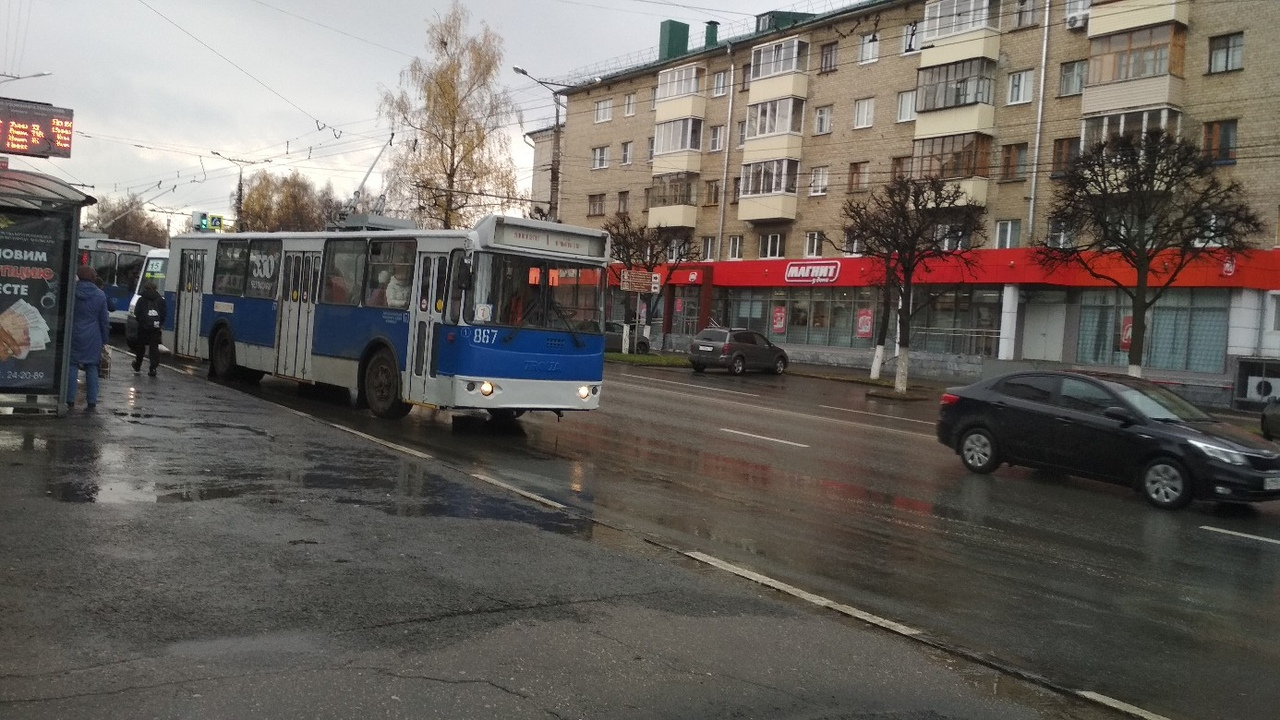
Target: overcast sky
[{"x": 158, "y": 85}]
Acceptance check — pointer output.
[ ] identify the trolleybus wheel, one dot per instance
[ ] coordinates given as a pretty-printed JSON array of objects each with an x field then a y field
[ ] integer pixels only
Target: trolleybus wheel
[
  {"x": 505, "y": 414},
  {"x": 222, "y": 361},
  {"x": 382, "y": 386}
]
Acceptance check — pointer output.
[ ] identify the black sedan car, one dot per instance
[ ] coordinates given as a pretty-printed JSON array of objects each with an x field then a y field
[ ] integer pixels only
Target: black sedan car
[
  {"x": 737, "y": 350},
  {"x": 1108, "y": 427}
]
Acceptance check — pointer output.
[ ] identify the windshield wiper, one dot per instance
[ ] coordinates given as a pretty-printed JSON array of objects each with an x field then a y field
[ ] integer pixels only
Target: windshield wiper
[{"x": 577, "y": 341}]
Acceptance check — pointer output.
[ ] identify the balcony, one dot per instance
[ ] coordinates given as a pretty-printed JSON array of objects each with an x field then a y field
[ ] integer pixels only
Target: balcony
[
  {"x": 977, "y": 117},
  {"x": 983, "y": 42},
  {"x": 680, "y": 106},
  {"x": 683, "y": 161},
  {"x": 1162, "y": 90},
  {"x": 793, "y": 84},
  {"x": 768, "y": 147},
  {"x": 765, "y": 208},
  {"x": 673, "y": 201},
  {"x": 1108, "y": 18}
]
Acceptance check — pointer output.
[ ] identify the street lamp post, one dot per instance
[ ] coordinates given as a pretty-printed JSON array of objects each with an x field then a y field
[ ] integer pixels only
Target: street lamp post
[
  {"x": 240, "y": 182},
  {"x": 553, "y": 207}
]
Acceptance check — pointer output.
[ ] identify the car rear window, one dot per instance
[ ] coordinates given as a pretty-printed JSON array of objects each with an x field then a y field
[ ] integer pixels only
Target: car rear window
[
  {"x": 1038, "y": 388},
  {"x": 713, "y": 335}
]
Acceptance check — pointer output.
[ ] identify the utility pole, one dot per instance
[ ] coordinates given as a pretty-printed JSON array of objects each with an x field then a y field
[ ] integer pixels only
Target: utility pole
[
  {"x": 240, "y": 163},
  {"x": 553, "y": 207}
]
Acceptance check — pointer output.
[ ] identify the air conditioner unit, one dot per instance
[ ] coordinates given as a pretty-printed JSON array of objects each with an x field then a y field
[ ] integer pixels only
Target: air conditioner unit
[
  {"x": 1078, "y": 21},
  {"x": 1262, "y": 388}
]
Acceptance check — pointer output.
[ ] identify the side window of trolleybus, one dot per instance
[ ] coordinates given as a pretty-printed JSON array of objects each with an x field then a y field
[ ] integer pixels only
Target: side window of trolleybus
[
  {"x": 343, "y": 271},
  {"x": 230, "y": 266},
  {"x": 390, "y": 273},
  {"x": 264, "y": 268}
]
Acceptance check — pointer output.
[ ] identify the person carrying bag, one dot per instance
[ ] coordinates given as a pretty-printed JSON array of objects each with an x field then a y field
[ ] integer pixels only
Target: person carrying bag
[{"x": 149, "y": 311}]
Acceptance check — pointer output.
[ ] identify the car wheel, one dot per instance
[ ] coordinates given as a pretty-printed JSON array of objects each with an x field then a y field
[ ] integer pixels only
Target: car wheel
[
  {"x": 738, "y": 365},
  {"x": 978, "y": 450},
  {"x": 1166, "y": 484},
  {"x": 779, "y": 366},
  {"x": 642, "y": 348},
  {"x": 698, "y": 367},
  {"x": 382, "y": 386}
]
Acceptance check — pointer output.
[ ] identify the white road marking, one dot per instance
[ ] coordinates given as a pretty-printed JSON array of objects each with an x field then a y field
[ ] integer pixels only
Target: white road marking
[
  {"x": 1118, "y": 705},
  {"x": 1259, "y": 538},
  {"x": 879, "y": 415},
  {"x": 522, "y": 493},
  {"x": 762, "y": 437},
  {"x": 692, "y": 385},
  {"x": 804, "y": 595},
  {"x": 366, "y": 436}
]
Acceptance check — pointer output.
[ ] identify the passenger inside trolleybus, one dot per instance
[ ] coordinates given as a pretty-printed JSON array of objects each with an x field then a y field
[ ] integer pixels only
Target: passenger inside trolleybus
[{"x": 531, "y": 293}]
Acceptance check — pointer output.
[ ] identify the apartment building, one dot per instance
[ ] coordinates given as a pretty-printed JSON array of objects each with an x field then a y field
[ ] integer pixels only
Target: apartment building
[{"x": 752, "y": 144}]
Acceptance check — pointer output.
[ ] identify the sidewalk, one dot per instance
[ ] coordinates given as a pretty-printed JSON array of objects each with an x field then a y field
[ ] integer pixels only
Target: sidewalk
[{"x": 191, "y": 551}]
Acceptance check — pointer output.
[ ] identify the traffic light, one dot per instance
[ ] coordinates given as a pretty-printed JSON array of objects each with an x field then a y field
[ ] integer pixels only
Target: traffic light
[{"x": 199, "y": 221}]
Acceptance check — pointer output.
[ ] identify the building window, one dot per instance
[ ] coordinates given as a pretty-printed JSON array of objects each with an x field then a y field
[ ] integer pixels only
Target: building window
[
  {"x": 735, "y": 247},
  {"x": 708, "y": 247},
  {"x": 719, "y": 84},
  {"x": 595, "y": 204},
  {"x": 960, "y": 83},
  {"x": 869, "y": 48},
  {"x": 773, "y": 245},
  {"x": 1013, "y": 162},
  {"x": 1059, "y": 236},
  {"x": 678, "y": 250},
  {"x": 951, "y": 238},
  {"x": 1071, "y": 82},
  {"x": 943, "y": 18},
  {"x": 1150, "y": 52},
  {"x": 1131, "y": 124},
  {"x": 900, "y": 167},
  {"x": 907, "y": 106},
  {"x": 828, "y": 61},
  {"x": 673, "y": 189},
  {"x": 604, "y": 110},
  {"x": 629, "y": 104},
  {"x": 624, "y": 201},
  {"x": 1064, "y": 151},
  {"x": 813, "y": 244},
  {"x": 742, "y": 133},
  {"x": 774, "y": 117},
  {"x": 1077, "y": 8},
  {"x": 599, "y": 157},
  {"x": 1220, "y": 141},
  {"x": 1008, "y": 233},
  {"x": 746, "y": 77},
  {"x": 818, "y": 178},
  {"x": 713, "y": 192},
  {"x": 1024, "y": 14},
  {"x": 650, "y": 149},
  {"x": 677, "y": 82},
  {"x": 625, "y": 159},
  {"x": 864, "y": 111},
  {"x": 653, "y": 98},
  {"x": 952, "y": 156},
  {"x": 770, "y": 177},
  {"x": 1019, "y": 87},
  {"x": 822, "y": 120},
  {"x": 853, "y": 245},
  {"x": 911, "y": 38},
  {"x": 780, "y": 57},
  {"x": 859, "y": 176},
  {"x": 1226, "y": 52},
  {"x": 716, "y": 142}
]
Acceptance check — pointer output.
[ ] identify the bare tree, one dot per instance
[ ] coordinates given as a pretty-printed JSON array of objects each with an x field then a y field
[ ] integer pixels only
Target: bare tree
[
  {"x": 1138, "y": 210},
  {"x": 127, "y": 219},
  {"x": 639, "y": 247},
  {"x": 273, "y": 203},
  {"x": 456, "y": 163},
  {"x": 907, "y": 226}
]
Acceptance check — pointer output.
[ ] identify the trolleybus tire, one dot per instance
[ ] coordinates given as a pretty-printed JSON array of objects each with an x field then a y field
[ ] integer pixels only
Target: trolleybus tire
[
  {"x": 382, "y": 386},
  {"x": 504, "y": 414},
  {"x": 222, "y": 355}
]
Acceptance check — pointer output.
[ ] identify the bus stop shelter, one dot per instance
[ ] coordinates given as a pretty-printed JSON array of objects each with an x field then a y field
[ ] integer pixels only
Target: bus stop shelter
[{"x": 39, "y": 231}]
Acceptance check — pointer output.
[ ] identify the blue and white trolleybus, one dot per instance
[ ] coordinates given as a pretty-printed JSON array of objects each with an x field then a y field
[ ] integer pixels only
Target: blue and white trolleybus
[{"x": 506, "y": 317}]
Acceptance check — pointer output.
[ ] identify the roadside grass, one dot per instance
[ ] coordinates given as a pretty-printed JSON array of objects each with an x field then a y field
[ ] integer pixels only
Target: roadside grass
[{"x": 652, "y": 359}]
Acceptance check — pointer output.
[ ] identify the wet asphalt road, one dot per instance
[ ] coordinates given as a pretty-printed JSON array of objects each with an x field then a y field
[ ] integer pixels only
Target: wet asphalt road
[
  {"x": 190, "y": 551},
  {"x": 813, "y": 483}
]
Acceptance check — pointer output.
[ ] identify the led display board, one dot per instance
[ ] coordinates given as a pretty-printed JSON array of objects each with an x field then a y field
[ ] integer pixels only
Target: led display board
[{"x": 34, "y": 129}]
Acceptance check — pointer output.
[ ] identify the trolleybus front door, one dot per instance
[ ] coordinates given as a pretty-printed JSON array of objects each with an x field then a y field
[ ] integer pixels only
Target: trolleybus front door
[
  {"x": 190, "y": 301},
  {"x": 295, "y": 320},
  {"x": 424, "y": 316}
]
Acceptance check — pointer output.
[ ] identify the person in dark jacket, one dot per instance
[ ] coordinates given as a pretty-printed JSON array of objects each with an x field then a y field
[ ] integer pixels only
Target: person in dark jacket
[
  {"x": 150, "y": 311},
  {"x": 90, "y": 331}
]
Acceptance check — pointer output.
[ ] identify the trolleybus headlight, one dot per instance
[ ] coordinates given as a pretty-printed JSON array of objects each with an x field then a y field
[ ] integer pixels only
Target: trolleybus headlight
[
  {"x": 584, "y": 392},
  {"x": 486, "y": 388}
]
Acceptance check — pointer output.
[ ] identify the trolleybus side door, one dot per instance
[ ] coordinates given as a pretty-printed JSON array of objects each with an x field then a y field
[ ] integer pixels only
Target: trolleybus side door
[
  {"x": 424, "y": 316},
  {"x": 190, "y": 301},
  {"x": 295, "y": 319}
]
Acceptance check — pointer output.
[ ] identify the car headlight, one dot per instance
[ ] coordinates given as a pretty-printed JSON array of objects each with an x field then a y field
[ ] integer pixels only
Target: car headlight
[{"x": 1222, "y": 454}]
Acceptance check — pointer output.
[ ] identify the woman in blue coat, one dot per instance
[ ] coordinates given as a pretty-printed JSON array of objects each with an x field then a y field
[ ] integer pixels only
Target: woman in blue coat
[{"x": 90, "y": 331}]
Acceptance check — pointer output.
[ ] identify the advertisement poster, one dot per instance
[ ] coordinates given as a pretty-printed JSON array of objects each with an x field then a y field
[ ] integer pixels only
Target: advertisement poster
[
  {"x": 1126, "y": 332},
  {"x": 864, "y": 323},
  {"x": 779, "y": 325},
  {"x": 32, "y": 258}
]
